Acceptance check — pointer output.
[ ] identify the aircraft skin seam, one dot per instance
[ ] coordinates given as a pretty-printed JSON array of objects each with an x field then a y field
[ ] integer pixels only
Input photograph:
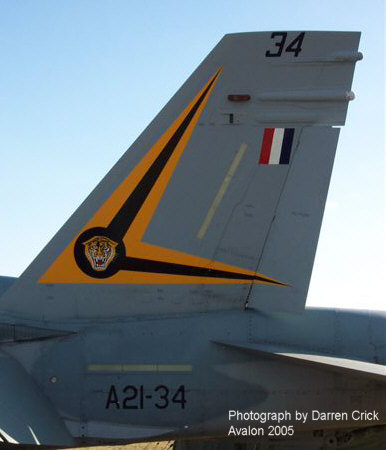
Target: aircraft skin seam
[{"x": 297, "y": 144}]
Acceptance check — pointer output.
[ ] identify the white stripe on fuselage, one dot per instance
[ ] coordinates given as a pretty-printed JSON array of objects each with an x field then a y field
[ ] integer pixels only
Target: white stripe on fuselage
[{"x": 277, "y": 143}]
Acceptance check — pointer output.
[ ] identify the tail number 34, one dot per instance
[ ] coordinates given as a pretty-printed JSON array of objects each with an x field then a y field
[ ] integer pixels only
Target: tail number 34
[{"x": 280, "y": 41}]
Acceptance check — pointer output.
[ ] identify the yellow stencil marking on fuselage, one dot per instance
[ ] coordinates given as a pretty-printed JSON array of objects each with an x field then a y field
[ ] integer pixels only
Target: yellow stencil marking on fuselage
[{"x": 121, "y": 368}]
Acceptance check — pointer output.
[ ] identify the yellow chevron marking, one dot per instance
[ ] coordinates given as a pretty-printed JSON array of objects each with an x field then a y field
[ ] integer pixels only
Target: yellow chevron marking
[{"x": 64, "y": 268}]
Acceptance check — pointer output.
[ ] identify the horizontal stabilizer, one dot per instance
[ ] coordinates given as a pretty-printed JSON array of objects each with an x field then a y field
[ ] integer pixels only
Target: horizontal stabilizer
[
  {"x": 5, "y": 283},
  {"x": 321, "y": 361}
]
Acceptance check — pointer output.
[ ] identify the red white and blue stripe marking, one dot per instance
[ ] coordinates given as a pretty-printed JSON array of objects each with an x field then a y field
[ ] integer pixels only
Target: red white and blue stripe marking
[{"x": 277, "y": 145}]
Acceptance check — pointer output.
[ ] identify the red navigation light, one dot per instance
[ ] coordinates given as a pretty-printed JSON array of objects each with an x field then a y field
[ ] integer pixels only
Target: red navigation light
[{"x": 239, "y": 97}]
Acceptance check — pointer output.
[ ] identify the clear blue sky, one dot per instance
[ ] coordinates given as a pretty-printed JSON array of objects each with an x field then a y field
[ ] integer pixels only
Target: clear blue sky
[{"x": 80, "y": 79}]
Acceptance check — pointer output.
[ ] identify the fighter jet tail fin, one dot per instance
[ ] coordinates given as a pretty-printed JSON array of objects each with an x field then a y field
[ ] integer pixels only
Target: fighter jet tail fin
[{"x": 219, "y": 201}]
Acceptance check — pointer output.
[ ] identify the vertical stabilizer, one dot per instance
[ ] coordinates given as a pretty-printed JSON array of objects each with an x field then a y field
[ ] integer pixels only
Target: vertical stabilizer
[{"x": 221, "y": 198}]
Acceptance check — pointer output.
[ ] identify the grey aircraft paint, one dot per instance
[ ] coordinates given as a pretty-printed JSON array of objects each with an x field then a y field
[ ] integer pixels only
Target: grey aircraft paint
[{"x": 151, "y": 319}]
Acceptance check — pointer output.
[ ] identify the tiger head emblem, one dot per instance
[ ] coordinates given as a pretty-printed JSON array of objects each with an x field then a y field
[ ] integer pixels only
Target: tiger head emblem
[{"x": 100, "y": 251}]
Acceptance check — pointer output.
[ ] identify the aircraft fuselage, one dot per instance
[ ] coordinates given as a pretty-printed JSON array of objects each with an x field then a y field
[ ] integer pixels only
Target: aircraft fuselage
[{"x": 186, "y": 373}]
